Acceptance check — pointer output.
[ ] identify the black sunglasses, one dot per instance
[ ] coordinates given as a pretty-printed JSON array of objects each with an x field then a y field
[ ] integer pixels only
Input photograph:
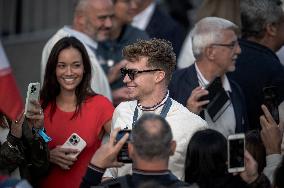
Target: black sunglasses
[{"x": 131, "y": 73}]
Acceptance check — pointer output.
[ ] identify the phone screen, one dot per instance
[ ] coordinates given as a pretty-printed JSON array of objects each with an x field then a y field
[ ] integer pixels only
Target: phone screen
[{"x": 236, "y": 153}]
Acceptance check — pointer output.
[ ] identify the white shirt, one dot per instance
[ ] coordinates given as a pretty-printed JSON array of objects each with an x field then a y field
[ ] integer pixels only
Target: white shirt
[
  {"x": 183, "y": 124},
  {"x": 4, "y": 63},
  {"x": 226, "y": 123},
  {"x": 186, "y": 57},
  {"x": 142, "y": 19},
  {"x": 99, "y": 82}
]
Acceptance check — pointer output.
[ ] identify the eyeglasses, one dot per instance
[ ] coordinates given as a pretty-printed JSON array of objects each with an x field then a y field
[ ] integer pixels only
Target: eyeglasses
[
  {"x": 131, "y": 73},
  {"x": 232, "y": 45}
]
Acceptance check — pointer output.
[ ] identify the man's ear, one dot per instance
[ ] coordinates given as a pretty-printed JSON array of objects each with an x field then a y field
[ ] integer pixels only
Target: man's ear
[
  {"x": 160, "y": 76},
  {"x": 209, "y": 52},
  {"x": 79, "y": 19},
  {"x": 173, "y": 147},
  {"x": 271, "y": 29}
]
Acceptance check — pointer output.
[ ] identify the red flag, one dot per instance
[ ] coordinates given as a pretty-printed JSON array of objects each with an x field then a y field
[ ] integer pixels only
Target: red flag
[{"x": 11, "y": 103}]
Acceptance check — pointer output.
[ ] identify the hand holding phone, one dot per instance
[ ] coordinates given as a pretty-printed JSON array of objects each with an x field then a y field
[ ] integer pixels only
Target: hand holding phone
[
  {"x": 123, "y": 155},
  {"x": 270, "y": 101},
  {"x": 75, "y": 142},
  {"x": 236, "y": 153},
  {"x": 32, "y": 94}
]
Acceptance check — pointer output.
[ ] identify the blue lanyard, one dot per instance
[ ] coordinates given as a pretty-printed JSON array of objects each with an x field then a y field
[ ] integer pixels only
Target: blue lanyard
[{"x": 163, "y": 113}]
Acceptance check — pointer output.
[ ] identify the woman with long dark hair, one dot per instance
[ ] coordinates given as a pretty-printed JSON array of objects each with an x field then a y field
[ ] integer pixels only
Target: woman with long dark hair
[
  {"x": 206, "y": 164},
  {"x": 70, "y": 106}
]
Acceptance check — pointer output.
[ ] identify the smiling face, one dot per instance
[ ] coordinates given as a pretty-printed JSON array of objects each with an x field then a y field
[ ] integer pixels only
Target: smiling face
[
  {"x": 69, "y": 69},
  {"x": 143, "y": 84}
]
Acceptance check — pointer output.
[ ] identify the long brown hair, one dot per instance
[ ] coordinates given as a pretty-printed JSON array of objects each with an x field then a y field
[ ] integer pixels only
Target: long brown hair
[{"x": 51, "y": 87}]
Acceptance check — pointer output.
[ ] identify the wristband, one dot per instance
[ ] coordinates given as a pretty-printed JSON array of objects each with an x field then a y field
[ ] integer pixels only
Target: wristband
[{"x": 42, "y": 134}]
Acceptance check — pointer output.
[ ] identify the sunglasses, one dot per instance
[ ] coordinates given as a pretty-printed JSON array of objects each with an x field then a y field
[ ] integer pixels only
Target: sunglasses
[{"x": 131, "y": 73}]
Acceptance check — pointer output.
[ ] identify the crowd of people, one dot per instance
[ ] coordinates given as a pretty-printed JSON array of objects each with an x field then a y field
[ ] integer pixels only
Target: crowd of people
[{"x": 115, "y": 68}]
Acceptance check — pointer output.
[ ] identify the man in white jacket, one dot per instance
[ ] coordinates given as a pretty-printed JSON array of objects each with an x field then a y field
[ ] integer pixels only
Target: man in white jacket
[{"x": 147, "y": 75}]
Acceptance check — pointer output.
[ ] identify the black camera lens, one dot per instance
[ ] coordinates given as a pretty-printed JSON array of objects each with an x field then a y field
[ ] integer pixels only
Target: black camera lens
[
  {"x": 74, "y": 136},
  {"x": 33, "y": 89},
  {"x": 76, "y": 141},
  {"x": 71, "y": 140}
]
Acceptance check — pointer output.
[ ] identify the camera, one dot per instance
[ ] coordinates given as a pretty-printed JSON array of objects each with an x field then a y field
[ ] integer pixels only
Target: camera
[
  {"x": 74, "y": 140},
  {"x": 123, "y": 155}
]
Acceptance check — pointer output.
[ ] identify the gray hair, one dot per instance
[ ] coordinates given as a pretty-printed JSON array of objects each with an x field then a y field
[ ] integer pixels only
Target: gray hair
[
  {"x": 208, "y": 31},
  {"x": 151, "y": 137},
  {"x": 80, "y": 5},
  {"x": 256, "y": 14}
]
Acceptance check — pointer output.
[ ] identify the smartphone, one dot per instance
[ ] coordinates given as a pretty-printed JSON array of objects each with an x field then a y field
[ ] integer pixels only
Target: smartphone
[
  {"x": 32, "y": 94},
  {"x": 236, "y": 152},
  {"x": 270, "y": 101},
  {"x": 75, "y": 142},
  {"x": 213, "y": 88},
  {"x": 123, "y": 155}
]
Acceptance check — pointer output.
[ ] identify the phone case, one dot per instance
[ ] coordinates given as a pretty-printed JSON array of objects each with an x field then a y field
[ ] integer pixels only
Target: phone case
[
  {"x": 238, "y": 168},
  {"x": 32, "y": 94},
  {"x": 75, "y": 142},
  {"x": 123, "y": 155}
]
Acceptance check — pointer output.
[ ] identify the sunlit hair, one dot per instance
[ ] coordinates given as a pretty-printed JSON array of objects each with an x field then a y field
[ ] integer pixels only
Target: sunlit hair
[
  {"x": 51, "y": 87},
  {"x": 207, "y": 31},
  {"x": 159, "y": 53},
  {"x": 256, "y": 14}
]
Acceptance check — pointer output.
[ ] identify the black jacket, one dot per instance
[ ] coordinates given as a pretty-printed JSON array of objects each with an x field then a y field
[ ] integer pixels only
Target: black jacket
[
  {"x": 185, "y": 80},
  {"x": 29, "y": 153}
]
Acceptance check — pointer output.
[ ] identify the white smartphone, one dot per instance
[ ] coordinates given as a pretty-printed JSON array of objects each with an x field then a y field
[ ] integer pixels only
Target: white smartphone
[
  {"x": 75, "y": 142},
  {"x": 236, "y": 152},
  {"x": 32, "y": 94}
]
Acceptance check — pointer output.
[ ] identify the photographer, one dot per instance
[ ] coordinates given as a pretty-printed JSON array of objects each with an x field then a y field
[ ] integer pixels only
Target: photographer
[{"x": 150, "y": 156}]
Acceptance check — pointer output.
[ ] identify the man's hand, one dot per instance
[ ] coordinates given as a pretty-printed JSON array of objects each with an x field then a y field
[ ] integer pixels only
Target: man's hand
[
  {"x": 114, "y": 72},
  {"x": 60, "y": 156},
  {"x": 250, "y": 174},
  {"x": 105, "y": 156},
  {"x": 193, "y": 104},
  {"x": 271, "y": 133}
]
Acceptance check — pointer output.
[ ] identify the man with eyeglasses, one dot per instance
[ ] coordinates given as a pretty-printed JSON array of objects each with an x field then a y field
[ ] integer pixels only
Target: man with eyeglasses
[
  {"x": 215, "y": 47},
  {"x": 147, "y": 75}
]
